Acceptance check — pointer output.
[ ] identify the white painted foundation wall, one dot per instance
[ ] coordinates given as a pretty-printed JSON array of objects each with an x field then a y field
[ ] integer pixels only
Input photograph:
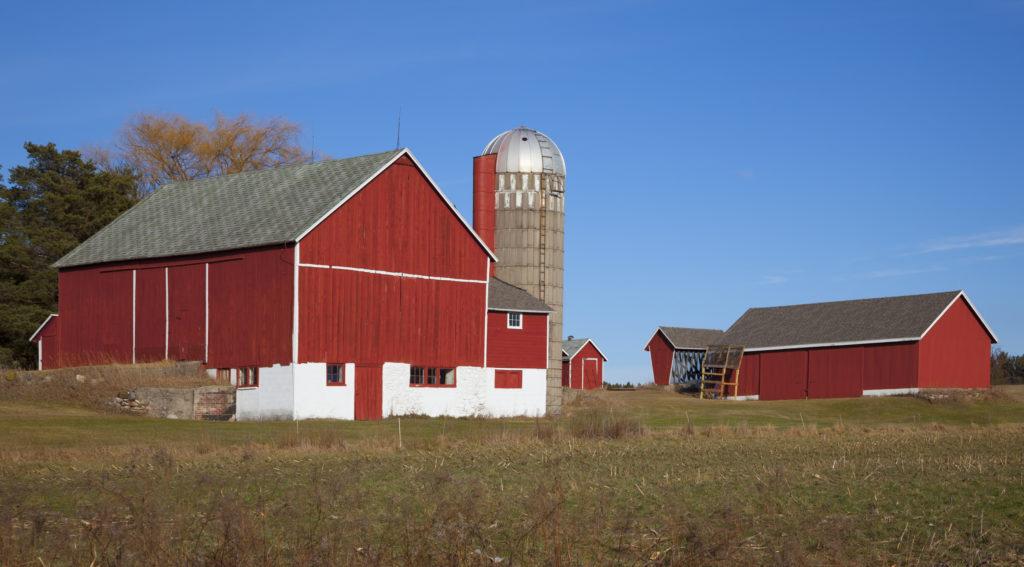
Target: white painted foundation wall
[
  {"x": 474, "y": 394},
  {"x": 300, "y": 391}
]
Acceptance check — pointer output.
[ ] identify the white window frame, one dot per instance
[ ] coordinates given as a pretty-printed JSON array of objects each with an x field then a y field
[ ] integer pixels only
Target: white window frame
[{"x": 508, "y": 320}]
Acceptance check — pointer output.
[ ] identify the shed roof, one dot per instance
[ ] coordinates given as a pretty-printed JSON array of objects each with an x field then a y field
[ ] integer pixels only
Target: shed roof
[
  {"x": 688, "y": 338},
  {"x": 571, "y": 348},
  {"x": 242, "y": 210},
  {"x": 503, "y": 296},
  {"x": 859, "y": 321}
]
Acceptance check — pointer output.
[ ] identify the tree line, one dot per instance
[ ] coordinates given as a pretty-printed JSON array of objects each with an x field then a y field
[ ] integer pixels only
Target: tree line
[
  {"x": 1007, "y": 368},
  {"x": 60, "y": 197}
]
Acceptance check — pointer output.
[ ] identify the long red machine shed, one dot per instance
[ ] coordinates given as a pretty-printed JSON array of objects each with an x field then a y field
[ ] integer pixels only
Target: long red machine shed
[
  {"x": 582, "y": 364},
  {"x": 878, "y": 346}
]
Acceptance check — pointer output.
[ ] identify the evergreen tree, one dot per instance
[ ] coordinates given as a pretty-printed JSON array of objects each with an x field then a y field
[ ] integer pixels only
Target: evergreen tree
[{"x": 49, "y": 207}]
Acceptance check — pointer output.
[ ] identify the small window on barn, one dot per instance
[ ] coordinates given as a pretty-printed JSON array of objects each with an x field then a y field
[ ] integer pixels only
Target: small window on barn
[
  {"x": 508, "y": 378},
  {"x": 447, "y": 376},
  {"x": 416, "y": 375},
  {"x": 431, "y": 377},
  {"x": 224, "y": 374},
  {"x": 335, "y": 374},
  {"x": 248, "y": 377},
  {"x": 515, "y": 320}
]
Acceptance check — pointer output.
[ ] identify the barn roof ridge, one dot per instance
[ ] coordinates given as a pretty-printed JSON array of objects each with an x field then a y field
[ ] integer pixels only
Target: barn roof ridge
[{"x": 271, "y": 206}]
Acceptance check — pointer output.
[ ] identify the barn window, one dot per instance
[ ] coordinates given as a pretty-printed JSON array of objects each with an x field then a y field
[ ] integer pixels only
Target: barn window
[
  {"x": 508, "y": 378},
  {"x": 335, "y": 375},
  {"x": 431, "y": 376},
  {"x": 224, "y": 374},
  {"x": 248, "y": 377},
  {"x": 447, "y": 376},
  {"x": 416, "y": 375},
  {"x": 515, "y": 320}
]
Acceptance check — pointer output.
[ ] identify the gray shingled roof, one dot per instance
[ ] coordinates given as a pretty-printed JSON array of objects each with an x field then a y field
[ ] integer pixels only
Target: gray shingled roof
[
  {"x": 243, "y": 210},
  {"x": 861, "y": 320},
  {"x": 686, "y": 338},
  {"x": 571, "y": 347},
  {"x": 503, "y": 296}
]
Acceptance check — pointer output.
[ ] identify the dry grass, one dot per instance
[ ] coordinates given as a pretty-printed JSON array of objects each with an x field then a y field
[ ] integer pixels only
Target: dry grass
[{"x": 610, "y": 483}]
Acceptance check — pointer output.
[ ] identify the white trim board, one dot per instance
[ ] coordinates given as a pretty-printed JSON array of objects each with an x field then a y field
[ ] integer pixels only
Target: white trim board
[
  {"x": 40, "y": 327},
  {"x": 393, "y": 274},
  {"x": 584, "y": 346},
  {"x": 389, "y": 163}
]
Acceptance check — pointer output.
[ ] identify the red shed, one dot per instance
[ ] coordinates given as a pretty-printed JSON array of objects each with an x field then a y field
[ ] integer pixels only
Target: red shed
[
  {"x": 344, "y": 288},
  {"x": 582, "y": 364},
  {"x": 677, "y": 353},
  {"x": 881, "y": 346}
]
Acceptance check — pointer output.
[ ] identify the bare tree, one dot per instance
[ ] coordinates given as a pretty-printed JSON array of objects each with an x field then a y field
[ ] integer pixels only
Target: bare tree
[{"x": 164, "y": 148}]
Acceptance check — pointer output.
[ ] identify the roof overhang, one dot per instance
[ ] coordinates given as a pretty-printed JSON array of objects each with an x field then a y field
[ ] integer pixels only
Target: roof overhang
[
  {"x": 389, "y": 163},
  {"x": 46, "y": 322},
  {"x": 511, "y": 310}
]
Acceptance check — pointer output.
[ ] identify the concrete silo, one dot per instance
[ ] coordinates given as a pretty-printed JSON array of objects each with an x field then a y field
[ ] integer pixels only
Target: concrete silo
[{"x": 519, "y": 211}]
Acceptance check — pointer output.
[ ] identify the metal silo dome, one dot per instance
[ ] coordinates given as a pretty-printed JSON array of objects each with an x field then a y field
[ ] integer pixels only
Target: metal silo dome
[{"x": 525, "y": 150}]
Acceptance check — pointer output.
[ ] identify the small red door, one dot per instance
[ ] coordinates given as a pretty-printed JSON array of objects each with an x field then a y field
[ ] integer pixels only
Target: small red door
[
  {"x": 591, "y": 374},
  {"x": 369, "y": 392}
]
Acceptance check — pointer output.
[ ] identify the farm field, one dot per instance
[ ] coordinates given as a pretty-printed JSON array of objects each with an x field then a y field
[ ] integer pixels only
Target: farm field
[{"x": 642, "y": 477}]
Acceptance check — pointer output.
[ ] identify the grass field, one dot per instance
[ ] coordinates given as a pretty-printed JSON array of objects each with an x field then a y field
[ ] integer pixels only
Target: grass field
[{"x": 644, "y": 477}]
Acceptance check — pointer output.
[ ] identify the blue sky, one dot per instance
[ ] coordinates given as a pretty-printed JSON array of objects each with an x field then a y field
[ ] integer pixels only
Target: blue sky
[{"x": 720, "y": 154}]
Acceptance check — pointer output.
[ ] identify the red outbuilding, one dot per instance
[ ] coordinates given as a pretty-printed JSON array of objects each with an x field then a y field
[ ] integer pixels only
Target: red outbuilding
[
  {"x": 677, "y": 353},
  {"x": 881, "y": 346},
  {"x": 346, "y": 288},
  {"x": 582, "y": 364}
]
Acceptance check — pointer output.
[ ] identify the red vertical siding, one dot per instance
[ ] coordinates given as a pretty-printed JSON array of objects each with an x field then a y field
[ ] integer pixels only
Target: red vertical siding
[
  {"x": 362, "y": 317},
  {"x": 150, "y": 330},
  {"x": 955, "y": 352},
  {"x": 484, "y": 177},
  {"x": 890, "y": 366},
  {"x": 251, "y": 309},
  {"x": 187, "y": 308},
  {"x": 750, "y": 374},
  {"x": 587, "y": 379},
  {"x": 49, "y": 337},
  {"x": 783, "y": 375},
  {"x": 96, "y": 316},
  {"x": 835, "y": 372},
  {"x": 517, "y": 348},
  {"x": 397, "y": 223},
  {"x": 661, "y": 358}
]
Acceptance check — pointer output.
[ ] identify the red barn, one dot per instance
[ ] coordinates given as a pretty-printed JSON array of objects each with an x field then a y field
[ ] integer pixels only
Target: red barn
[
  {"x": 582, "y": 364},
  {"x": 882, "y": 346},
  {"x": 677, "y": 353},
  {"x": 347, "y": 288}
]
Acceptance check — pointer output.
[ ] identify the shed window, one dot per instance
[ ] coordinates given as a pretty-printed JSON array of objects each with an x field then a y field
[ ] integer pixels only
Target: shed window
[
  {"x": 335, "y": 374},
  {"x": 431, "y": 376},
  {"x": 248, "y": 377},
  {"x": 515, "y": 320}
]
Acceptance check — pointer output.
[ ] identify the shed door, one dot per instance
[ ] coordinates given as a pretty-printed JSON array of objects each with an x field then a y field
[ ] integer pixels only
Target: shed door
[
  {"x": 591, "y": 374},
  {"x": 784, "y": 375},
  {"x": 369, "y": 394}
]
